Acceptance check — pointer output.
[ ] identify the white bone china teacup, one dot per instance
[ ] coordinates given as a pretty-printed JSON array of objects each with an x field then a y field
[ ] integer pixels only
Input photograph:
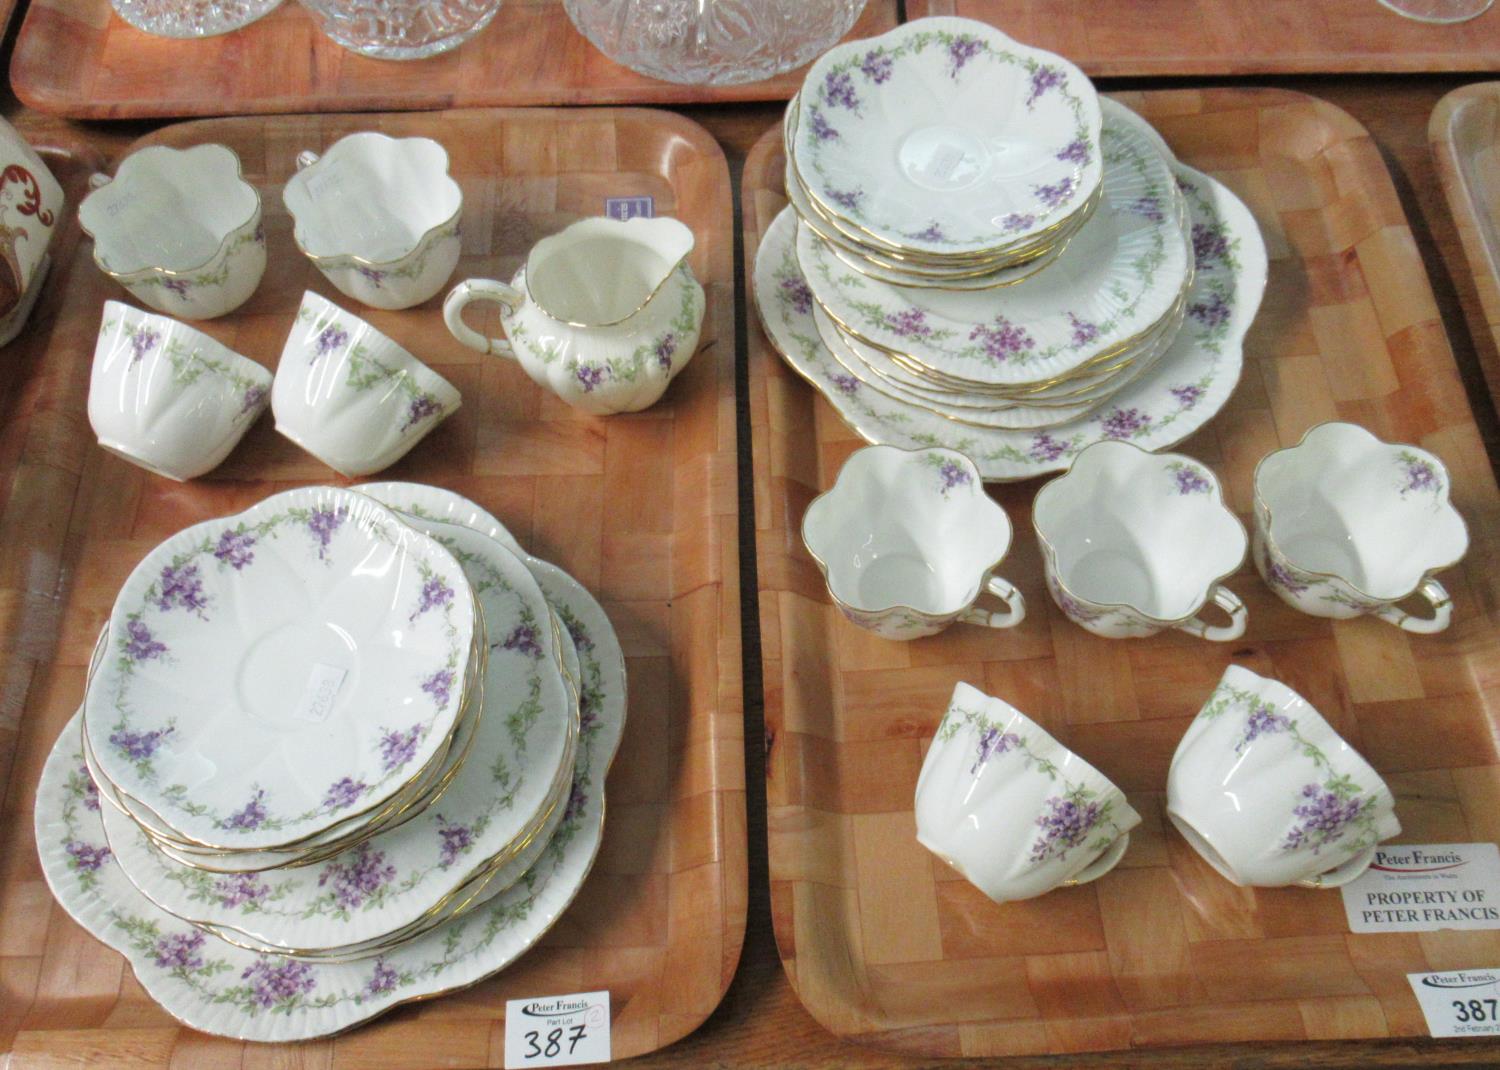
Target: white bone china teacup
[
  {"x": 349, "y": 395},
  {"x": 1268, "y": 793},
  {"x": 1136, "y": 542},
  {"x": 180, "y": 229},
  {"x": 908, "y": 540},
  {"x": 1346, "y": 524},
  {"x": 379, "y": 216},
  {"x": 167, "y": 397},
  {"x": 1011, "y": 808}
]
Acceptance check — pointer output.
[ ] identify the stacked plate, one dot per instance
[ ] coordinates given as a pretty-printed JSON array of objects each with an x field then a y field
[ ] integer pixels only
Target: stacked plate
[
  {"x": 325, "y": 732},
  {"x": 979, "y": 252}
]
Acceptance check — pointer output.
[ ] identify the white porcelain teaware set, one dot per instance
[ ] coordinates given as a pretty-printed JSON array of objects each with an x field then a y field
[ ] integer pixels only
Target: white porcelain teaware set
[
  {"x": 1134, "y": 543},
  {"x": 980, "y": 252},
  {"x": 347, "y": 740},
  {"x": 604, "y": 313}
]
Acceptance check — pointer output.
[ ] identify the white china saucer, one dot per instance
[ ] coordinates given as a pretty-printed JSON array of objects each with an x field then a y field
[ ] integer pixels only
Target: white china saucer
[{"x": 1179, "y": 395}]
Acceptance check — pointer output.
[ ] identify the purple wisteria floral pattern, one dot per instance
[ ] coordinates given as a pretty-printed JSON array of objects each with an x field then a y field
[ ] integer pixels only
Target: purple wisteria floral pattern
[
  {"x": 1332, "y": 811},
  {"x": 269, "y": 997},
  {"x": 1071, "y": 817},
  {"x": 1418, "y": 476},
  {"x": 950, "y": 473},
  {"x": 837, "y": 105},
  {"x": 1189, "y": 479},
  {"x": 183, "y": 586}
]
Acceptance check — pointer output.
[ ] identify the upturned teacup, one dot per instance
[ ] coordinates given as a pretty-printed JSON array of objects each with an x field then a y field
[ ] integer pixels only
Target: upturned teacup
[
  {"x": 1270, "y": 795},
  {"x": 349, "y": 395},
  {"x": 1346, "y": 524},
  {"x": 379, "y": 216},
  {"x": 1011, "y": 808},
  {"x": 167, "y": 397},
  {"x": 180, "y": 229},
  {"x": 1136, "y": 542},
  {"x": 908, "y": 540}
]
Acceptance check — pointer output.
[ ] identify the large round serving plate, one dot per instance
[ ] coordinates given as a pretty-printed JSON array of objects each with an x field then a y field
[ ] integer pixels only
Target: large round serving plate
[
  {"x": 1188, "y": 385},
  {"x": 520, "y": 760},
  {"x": 277, "y": 672},
  {"x": 945, "y": 136}
]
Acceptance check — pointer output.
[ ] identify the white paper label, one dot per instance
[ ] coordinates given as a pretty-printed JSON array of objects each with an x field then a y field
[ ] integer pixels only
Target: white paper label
[
  {"x": 1412, "y": 888},
  {"x": 1459, "y": 1003},
  {"x": 557, "y": 1030},
  {"x": 318, "y": 694}
]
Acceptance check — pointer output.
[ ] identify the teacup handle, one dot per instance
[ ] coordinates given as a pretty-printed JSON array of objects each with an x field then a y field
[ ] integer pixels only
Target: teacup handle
[
  {"x": 1340, "y": 875},
  {"x": 305, "y": 159},
  {"x": 1015, "y": 606},
  {"x": 1442, "y": 611},
  {"x": 480, "y": 290},
  {"x": 1230, "y": 603},
  {"x": 1108, "y": 859},
  {"x": 98, "y": 180}
]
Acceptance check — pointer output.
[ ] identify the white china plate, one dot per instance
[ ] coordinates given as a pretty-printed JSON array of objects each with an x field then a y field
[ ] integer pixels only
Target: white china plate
[
  {"x": 892, "y": 139},
  {"x": 1005, "y": 415},
  {"x": 276, "y": 672},
  {"x": 523, "y": 747},
  {"x": 1185, "y": 389},
  {"x": 227, "y": 991},
  {"x": 1119, "y": 275}
]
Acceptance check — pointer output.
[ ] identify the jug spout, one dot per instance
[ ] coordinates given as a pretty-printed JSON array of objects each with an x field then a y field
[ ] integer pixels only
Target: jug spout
[{"x": 600, "y": 272}]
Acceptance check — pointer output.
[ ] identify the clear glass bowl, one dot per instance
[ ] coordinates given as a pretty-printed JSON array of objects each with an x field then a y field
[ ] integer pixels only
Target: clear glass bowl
[
  {"x": 713, "y": 42},
  {"x": 401, "y": 29},
  {"x": 191, "y": 18}
]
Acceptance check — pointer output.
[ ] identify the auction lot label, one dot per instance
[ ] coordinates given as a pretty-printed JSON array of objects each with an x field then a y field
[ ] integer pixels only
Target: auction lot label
[
  {"x": 1424, "y": 887},
  {"x": 1459, "y": 1003}
]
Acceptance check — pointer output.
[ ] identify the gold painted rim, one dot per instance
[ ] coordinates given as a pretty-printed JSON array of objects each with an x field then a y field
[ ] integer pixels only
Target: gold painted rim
[
  {"x": 124, "y": 278},
  {"x": 793, "y": 117},
  {"x": 922, "y": 613},
  {"x": 1258, "y": 503},
  {"x": 389, "y": 807},
  {"x": 1213, "y": 584}
]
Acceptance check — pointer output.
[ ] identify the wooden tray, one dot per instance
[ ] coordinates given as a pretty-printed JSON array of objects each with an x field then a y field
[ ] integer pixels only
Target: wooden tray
[
  {"x": 1465, "y": 136},
  {"x": 1193, "y": 37},
  {"x": 884, "y": 943},
  {"x": 76, "y": 58},
  {"x": 641, "y": 509}
]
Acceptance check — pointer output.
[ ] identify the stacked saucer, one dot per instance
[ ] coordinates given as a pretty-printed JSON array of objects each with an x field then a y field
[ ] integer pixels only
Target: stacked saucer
[
  {"x": 329, "y": 729},
  {"x": 1028, "y": 357},
  {"x": 897, "y": 183}
]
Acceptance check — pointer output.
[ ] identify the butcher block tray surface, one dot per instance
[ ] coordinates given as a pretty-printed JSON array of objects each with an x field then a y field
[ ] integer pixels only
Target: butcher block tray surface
[
  {"x": 641, "y": 509},
  {"x": 888, "y": 946},
  {"x": 77, "y": 58}
]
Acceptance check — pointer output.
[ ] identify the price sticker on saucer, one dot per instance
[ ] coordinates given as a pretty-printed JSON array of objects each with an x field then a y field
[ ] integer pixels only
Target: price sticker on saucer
[
  {"x": 1459, "y": 1003},
  {"x": 557, "y": 1030}
]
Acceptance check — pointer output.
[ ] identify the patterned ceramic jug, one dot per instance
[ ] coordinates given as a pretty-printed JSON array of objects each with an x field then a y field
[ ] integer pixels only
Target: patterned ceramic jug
[{"x": 604, "y": 313}]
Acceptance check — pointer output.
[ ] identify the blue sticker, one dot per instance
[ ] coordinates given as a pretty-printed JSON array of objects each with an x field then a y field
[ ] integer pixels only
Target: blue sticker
[{"x": 629, "y": 207}]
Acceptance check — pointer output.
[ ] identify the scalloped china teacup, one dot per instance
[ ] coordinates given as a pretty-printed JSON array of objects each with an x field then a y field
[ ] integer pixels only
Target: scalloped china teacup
[
  {"x": 1346, "y": 524},
  {"x": 349, "y": 395},
  {"x": 908, "y": 540},
  {"x": 167, "y": 397},
  {"x": 1011, "y": 808},
  {"x": 604, "y": 314},
  {"x": 379, "y": 216},
  {"x": 1136, "y": 542},
  {"x": 1268, "y": 793},
  {"x": 180, "y": 229}
]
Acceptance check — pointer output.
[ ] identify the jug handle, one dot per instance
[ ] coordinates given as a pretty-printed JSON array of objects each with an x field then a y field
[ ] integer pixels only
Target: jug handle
[{"x": 469, "y": 290}]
